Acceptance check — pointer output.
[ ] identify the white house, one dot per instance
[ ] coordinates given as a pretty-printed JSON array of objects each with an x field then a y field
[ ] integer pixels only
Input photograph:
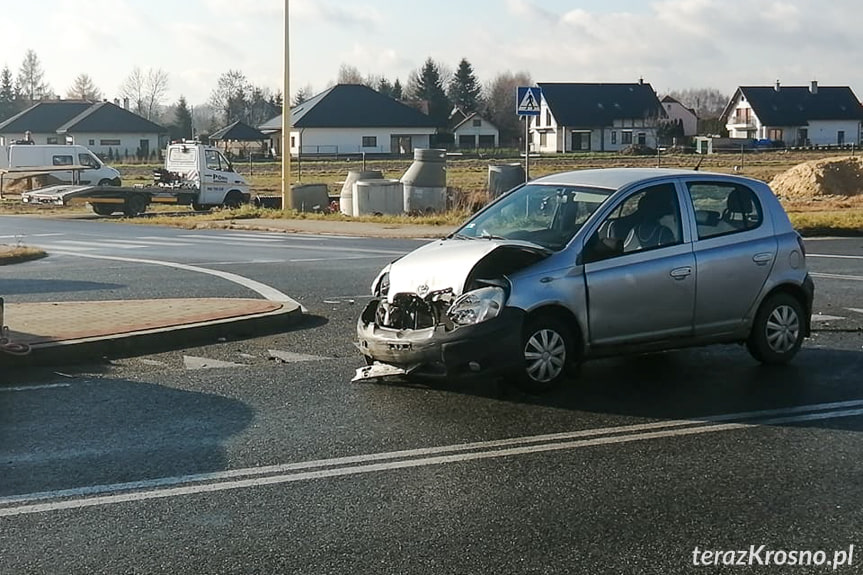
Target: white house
[
  {"x": 600, "y": 117},
  {"x": 352, "y": 119},
  {"x": 474, "y": 131},
  {"x": 795, "y": 115},
  {"x": 103, "y": 127},
  {"x": 677, "y": 112}
]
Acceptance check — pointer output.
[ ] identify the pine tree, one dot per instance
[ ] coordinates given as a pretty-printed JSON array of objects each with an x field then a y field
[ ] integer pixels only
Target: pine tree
[
  {"x": 181, "y": 128},
  {"x": 429, "y": 87},
  {"x": 464, "y": 90},
  {"x": 30, "y": 76},
  {"x": 8, "y": 95},
  {"x": 397, "y": 90},
  {"x": 84, "y": 89}
]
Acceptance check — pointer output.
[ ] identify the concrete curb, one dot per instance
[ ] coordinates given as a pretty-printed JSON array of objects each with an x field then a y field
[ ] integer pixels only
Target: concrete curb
[{"x": 154, "y": 340}]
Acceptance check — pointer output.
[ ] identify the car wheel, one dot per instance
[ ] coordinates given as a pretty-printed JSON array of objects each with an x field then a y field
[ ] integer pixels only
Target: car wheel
[
  {"x": 548, "y": 351},
  {"x": 777, "y": 332}
]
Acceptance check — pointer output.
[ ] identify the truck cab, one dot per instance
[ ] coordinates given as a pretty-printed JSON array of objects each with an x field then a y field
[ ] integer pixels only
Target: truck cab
[{"x": 210, "y": 171}]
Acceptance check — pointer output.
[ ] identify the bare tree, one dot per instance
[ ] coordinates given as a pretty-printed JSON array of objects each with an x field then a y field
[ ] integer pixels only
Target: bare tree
[
  {"x": 155, "y": 90},
  {"x": 145, "y": 90},
  {"x": 132, "y": 89},
  {"x": 349, "y": 75},
  {"x": 30, "y": 78},
  {"x": 501, "y": 104},
  {"x": 84, "y": 89},
  {"x": 231, "y": 96}
]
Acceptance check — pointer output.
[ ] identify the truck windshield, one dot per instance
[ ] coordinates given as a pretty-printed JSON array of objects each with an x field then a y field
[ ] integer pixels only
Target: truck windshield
[{"x": 547, "y": 215}]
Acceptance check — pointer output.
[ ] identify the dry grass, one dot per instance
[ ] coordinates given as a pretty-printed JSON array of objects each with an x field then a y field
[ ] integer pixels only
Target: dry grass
[{"x": 18, "y": 254}]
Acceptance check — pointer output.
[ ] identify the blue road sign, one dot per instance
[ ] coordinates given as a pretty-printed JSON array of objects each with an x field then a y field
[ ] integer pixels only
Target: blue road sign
[{"x": 527, "y": 100}]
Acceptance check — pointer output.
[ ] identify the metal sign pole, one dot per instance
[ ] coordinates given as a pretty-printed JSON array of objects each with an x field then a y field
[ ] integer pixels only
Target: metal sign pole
[{"x": 526, "y": 149}]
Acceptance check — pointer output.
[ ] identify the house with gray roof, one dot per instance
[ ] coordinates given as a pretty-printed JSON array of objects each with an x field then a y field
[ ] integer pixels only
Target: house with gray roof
[
  {"x": 595, "y": 117},
  {"x": 795, "y": 115},
  {"x": 352, "y": 119},
  {"x": 100, "y": 126}
]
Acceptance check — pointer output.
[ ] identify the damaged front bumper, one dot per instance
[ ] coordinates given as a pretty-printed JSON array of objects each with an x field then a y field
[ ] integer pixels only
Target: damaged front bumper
[{"x": 487, "y": 347}]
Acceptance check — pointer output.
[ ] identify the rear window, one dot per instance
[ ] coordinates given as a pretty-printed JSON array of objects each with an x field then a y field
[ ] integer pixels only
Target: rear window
[{"x": 723, "y": 208}]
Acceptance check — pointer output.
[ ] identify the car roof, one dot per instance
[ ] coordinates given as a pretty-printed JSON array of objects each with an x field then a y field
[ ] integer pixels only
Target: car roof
[{"x": 616, "y": 178}]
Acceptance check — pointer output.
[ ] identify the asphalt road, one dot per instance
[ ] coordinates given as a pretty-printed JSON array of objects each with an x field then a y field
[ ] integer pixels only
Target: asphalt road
[{"x": 223, "y": 458}]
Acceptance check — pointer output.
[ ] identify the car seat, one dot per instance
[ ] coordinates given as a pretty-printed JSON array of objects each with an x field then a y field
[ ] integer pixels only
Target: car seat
[
  {"x": 650, "y": 232},
  {"x": 738, "y": 209}
]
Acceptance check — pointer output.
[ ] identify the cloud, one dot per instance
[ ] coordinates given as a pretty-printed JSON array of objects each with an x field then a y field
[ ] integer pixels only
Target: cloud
[{"x": 352, "y": 15}]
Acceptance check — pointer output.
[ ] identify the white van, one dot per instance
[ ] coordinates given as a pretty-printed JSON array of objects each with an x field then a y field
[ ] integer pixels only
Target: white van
[{"x": 54, "y": 155}]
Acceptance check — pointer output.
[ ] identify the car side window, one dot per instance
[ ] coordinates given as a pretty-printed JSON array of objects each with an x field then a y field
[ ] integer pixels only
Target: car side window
[
  {"x": 646, "y": 220},
  {"x": 724, "y": 208},
  {"x": 212, "y": 159},
  {"x": 62, "y": 160}
]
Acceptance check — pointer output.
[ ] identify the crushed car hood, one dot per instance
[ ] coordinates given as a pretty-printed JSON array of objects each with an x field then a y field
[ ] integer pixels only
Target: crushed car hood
[{"x": 449, "y": 263}]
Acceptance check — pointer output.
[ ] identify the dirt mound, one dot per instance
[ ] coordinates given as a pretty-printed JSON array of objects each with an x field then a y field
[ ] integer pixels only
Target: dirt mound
[{"x": 817, "y": 179}]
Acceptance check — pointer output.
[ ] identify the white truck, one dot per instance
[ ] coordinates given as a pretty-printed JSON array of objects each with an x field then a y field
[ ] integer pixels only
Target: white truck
[
  {"x": 194, "y": 174},
  {"x": 53, "y": 158}
]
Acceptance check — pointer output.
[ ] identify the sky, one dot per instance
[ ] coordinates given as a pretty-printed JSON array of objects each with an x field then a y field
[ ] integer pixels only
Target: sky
[{"x": 672, "y": 44}]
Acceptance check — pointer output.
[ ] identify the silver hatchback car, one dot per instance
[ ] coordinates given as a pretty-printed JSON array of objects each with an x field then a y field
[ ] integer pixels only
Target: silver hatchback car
[{"x": 594, "y": 263}]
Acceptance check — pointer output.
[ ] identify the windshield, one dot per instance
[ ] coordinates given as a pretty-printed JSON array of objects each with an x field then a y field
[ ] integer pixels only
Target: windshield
[{"x": 547, "y": 215}]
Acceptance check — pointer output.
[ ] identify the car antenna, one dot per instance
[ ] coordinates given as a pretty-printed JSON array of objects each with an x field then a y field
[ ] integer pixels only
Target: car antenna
[{"x": 698, "y": 165}]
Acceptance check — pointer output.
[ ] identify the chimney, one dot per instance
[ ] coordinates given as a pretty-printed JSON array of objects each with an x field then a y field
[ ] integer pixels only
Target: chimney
[
  {"x": 125, "y": 103},
  {"x": 776, "y": 87},
  {"x": 116, "y": 101},
  {"x": 640, "y": 81},
  {"x": 813, "y": 87}
]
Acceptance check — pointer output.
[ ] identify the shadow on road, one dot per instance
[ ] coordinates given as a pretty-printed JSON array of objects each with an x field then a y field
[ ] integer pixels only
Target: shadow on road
[
  {"x": 18, "y": 286},
  {"x": 111, "y": 431},
  {"x": 692, "y": 383}
]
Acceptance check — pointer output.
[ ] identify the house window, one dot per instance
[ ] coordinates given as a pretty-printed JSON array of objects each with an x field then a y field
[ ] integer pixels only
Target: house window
[
  {"x": 614, "y": 136},
  {"x": 626, "y": 137},
  {"x": 92, "y": 143},
  {"x": 642, "y": 139},
  {"x": 477, "y": 123},
  {"x": 840, "y": 137},
  {"x": 109, "y": 142},
  {"x": 293, "y": 141},
  {"x": 548, "y": 117},
  {"x": 774, "y": 134},
  {"x": 543, "y": 140},
  {"x": 370, "y": 141},
  {"x": 52, "y": 140}
]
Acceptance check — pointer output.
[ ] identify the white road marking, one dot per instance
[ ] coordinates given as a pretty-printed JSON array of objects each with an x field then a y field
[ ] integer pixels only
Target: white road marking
[
  {"x": 96, "y": 495},
  {"x": 35, "y": 387},
  {"x": 823, "y": 317},
  {"x": 854, "y": 309},
  {"x": 228, "y": 240},
  {"x": 57, "y": 247},
  {"x": 836, "y": 276},
  {"x": 193, "y": 362},
  {"x": 102, "y": 244},
  {"x": 270, "y": 293},
  {"x": 836, "y": 256}
]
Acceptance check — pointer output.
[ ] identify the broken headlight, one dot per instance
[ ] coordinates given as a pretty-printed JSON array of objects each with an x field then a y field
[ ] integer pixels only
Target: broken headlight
[{"x": 477, "y": 306}]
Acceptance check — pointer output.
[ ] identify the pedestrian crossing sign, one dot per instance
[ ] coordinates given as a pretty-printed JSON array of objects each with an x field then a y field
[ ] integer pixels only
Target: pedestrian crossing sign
[{"x": 527, "y": 100}]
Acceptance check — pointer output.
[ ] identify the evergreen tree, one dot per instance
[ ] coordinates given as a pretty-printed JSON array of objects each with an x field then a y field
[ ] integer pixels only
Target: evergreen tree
[
  {"x": 181, "y": 128},
  {"x": 429, "y": 87},
  {"x": 384, "y": 87},
  {"x": 464, "y": 90},
  {"x": 397, "y": 90},
  {"x": 8, "y": 95}
]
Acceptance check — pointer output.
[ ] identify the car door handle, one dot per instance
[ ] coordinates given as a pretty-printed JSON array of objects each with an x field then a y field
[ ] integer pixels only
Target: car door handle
[
  {"x": 762, "y": 258},
  {"x": 681, "y": 273}
]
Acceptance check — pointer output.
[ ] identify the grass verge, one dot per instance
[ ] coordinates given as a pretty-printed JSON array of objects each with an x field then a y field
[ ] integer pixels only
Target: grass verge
[{"x": 18, "y": 254}]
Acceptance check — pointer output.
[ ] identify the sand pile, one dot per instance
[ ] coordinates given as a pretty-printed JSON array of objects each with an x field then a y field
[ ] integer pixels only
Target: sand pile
[{"x": 841, "y": 176}]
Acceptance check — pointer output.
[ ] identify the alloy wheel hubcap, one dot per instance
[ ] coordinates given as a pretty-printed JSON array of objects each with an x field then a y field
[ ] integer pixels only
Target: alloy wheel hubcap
[
  {"x": 545, "y": 355},
  {"x": 782, "y": 329}
]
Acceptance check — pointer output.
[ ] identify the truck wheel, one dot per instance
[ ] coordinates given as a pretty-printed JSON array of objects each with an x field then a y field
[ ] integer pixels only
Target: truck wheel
[
  {"x": 135, "y": 205},
  {"x": 200, "y": 207},
  {"x": 234, "y": 199},
  {"x": 107, "y": 182},
  {"x": 103, "y": 209}
]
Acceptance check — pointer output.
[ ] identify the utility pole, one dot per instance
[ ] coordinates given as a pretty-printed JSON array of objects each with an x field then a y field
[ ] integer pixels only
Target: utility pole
[{"x": 287, "y": 196}]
